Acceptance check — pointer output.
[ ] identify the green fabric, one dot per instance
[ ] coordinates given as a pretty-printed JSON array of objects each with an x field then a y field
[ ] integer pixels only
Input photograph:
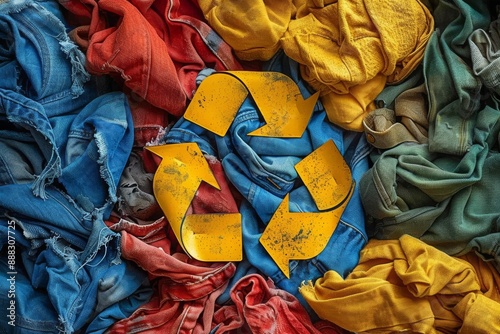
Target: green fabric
[
  {"x": 454, "y": 90},
  {"x": 449, "y": 201}
]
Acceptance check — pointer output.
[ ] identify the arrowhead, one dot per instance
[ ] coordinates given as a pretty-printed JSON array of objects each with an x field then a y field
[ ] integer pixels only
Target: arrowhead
[
  {"x": 278, "y": 98},
  {"x": 272, "y": 241},
  {"x": 307, "y": 105},
  {"x": 177, "y": 178},
  {"x": 297, "y": 235},
  {"x": 205, "y": 237},
  {"x": 184, "y": 158},
  {"x": 289, "y": 123},
  {"x": 280, "y": 102},
  {"x": 304, "y": 235}
]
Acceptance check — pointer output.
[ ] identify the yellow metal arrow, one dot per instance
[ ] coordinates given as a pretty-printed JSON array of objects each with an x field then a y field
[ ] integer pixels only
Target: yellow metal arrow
[
  {"x": 213, "y": 237},
  {"x": 279, "y": 101},
  {"x": 210, "y": 237},
  {"x": 278, "y": 98},
  {"x": 304, "y": 235},
  {"x": 216, "y": 102},
  {"x": 326, "y": 175}
]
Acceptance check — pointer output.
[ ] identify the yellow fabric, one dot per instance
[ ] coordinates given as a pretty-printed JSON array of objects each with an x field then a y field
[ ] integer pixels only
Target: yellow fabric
[
  {"x": 349, "y": 110},
  {"x": 253, "y": 28},
  {"x": 481, "y": 314},
  {"x": 407, "y": 285},
  {"x": 348, "y": 49},
  {"x": 346, "y": 43},
  {"x": 488, "y": 276}
]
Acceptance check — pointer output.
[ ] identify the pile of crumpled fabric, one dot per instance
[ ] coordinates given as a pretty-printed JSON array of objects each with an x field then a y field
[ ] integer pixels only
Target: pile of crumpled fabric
[{"x": 408, "y": 91}]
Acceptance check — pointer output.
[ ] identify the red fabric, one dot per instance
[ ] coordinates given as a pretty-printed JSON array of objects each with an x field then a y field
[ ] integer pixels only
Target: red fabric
[
  {"x": 184, "y": 289},
  {"x": 149, "y": 121},
  {"x": 133, "y": 49},
  {"x": 155, "y": 48},
  {"x": 326, "y": 327},
  {"x": 259, "y": 307},
  {"x": 211, "y": 200}
]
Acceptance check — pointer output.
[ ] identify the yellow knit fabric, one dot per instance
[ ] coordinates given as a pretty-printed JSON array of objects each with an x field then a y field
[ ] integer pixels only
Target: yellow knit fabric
[
  {"x": 407, "y": 285},
  {"x": 356, "y": 43},
  {"x": 253, "y": 28}
]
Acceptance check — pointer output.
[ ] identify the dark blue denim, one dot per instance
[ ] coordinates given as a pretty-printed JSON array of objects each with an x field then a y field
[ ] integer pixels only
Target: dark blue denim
[
  {"x": 262, "y": 170},
  {"x": 55, "y": 292},
  {"x": 30, "y": 303}
]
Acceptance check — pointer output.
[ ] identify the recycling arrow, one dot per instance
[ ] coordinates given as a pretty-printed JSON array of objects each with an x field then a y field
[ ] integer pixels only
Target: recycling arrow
[
  {"x": 288, "y": 235},
  {"x": 278, "y": 98},
  {"x": 304, "y": 235},
  {"x": 205, "y": 237}
]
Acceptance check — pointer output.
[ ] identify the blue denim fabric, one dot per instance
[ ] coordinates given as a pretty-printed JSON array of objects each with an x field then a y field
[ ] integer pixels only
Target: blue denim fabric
[
  {"x": 48, "y": 85},
  {"x": 63, "y": 146},
  {"x": 121, "y": 309},
  {"x": 34, "y": 47},
  {"x": 82, "y": 284},
  {"x": 98, "y": 143},
  {"x": 62, "y": 289},
  {"x": 262, "y": 170},
  {"x": 30, "y": 303}
]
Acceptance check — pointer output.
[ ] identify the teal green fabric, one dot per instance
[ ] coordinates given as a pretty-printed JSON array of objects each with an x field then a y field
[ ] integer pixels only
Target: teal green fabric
[
  {"x": 387, "y": 97},
  {"x": 454, "y": 90},
  {"x": 448, "y": 201}
]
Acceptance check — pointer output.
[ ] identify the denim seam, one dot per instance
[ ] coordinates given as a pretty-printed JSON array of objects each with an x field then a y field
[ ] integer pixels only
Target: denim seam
[
  {"x": 183, "y": 136},
  {"x": 82, "y": 134},
  {"x": 44, "y": 49},
  {"x": 272, "y": 182},
  {"x": 104, "y": 172},
  {"x": 357, "y": 230},
  {"x": 85, "y": 215},
  {"x": 54, "y": 162},
  {"x": 361, "y": 154},
  {"x": 206, "y": 39},
  {"x": 44, "y": 326},
  {"x": 248, "y": 115},
  {"x": 7, "y": 170},
  {"x": 54, "y": 97}
]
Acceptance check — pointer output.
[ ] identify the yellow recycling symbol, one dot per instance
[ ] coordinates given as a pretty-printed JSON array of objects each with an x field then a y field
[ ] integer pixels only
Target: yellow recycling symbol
[{"x": 288, "y": 235}]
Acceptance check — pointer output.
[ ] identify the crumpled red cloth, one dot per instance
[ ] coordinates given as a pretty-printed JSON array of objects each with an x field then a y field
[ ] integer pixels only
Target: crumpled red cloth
[
  {"x": 154, "y": 47},
  {"x": 259, "y": 307},
  {"x": 184, "y": 289}
]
